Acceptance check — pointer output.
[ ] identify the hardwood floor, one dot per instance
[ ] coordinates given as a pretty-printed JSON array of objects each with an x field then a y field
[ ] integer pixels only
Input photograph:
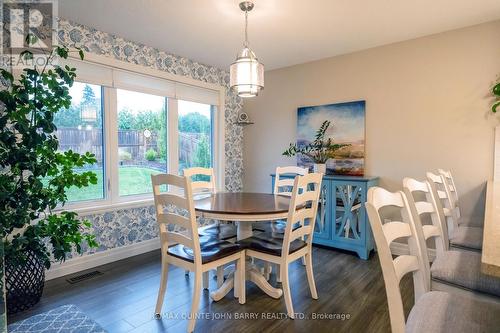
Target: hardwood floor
[{"x": 123, "y": 298}]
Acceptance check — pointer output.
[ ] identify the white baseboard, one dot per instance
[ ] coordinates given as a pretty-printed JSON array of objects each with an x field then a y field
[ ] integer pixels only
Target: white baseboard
[
  {"x": 402, "y": 249},
  {"x": 101, "y": 258}
]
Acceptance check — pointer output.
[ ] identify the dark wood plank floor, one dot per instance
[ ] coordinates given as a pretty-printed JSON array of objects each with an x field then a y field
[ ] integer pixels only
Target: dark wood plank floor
[{"x": 123, "y": 298}]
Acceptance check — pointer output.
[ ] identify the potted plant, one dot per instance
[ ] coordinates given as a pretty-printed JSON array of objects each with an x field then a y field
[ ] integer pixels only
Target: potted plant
[
  {"x": 319, "y": 150},
  {"x": 496, "y": 92},
  {"x": 34, "y": 178}
]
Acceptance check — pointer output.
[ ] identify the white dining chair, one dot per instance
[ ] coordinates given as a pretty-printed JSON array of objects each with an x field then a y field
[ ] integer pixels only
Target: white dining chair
[
  {"x": 283, "y": 185},
  {"x": 203, "y": 182},
  {"x": 181, "y": 245},
  {"x": 453, "y": 193},
  {"x": 461, "y": 236},
  {"x": 433, "y": 311},
  {"x": 297, "y": 240},
  {"x": 452, "y": 271}
]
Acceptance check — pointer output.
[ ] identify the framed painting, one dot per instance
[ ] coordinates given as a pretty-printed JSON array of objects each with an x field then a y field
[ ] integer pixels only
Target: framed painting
[{"x": 347, "y": 127}]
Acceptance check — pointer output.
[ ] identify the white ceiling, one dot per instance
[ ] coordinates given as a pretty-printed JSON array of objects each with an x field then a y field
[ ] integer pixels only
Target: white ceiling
[{"x": 282, "y": 32}]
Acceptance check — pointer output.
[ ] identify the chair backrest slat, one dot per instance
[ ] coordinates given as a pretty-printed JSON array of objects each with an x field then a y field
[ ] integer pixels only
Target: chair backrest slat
[
  {"x": 394, "y": 269},
  {"x": 405, "y": 264},
  {"x": 424, "y": 207},
  {"x": 166, "y": 199},
  {"x": 200, "y": 186},
  {"x": 178, "y": 220},
  {"x": 284, "y": 185},
  {"x": 177, "y": 238},
  {"x": 300, "y": 232},
  {"x": 175, "y": 207},
  {"x": 394, "y": 230},
  {"x": 303, "y": 207}
]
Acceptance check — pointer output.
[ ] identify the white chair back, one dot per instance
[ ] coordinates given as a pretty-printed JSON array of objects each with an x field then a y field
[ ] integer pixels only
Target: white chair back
[
  {"x": 394, "y": 269},
  {"x": 201, "y": 186},
  {"x": 305, "y": 196},
  {"x": 450, "y": 183},
  {"x": 169, "y": 204},
  {"x": 284, "y": 186},
  {"x": 423, "y": 201},
  {"x": 444, "y": 195}
]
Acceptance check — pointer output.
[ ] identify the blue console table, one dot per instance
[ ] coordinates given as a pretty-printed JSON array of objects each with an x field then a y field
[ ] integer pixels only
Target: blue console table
[{"x": 342, "y": 221}]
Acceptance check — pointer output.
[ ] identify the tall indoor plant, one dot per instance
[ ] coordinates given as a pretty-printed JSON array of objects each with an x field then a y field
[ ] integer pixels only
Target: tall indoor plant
[
  {"x": 34, "y": 178},
  {"x": 319, "y": 150}
]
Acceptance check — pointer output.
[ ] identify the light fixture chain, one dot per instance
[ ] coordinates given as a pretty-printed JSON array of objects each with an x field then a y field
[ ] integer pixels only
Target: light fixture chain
[{"x": 246, "y": 28}]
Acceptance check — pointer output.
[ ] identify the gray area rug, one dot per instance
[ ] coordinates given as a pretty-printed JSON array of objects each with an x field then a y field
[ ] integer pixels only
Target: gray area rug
[{"x": 64, "y": 319}]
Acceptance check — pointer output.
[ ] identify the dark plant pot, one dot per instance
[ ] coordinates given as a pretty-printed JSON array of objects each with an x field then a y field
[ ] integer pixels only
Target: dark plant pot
[{"x": 24, "y": 284}]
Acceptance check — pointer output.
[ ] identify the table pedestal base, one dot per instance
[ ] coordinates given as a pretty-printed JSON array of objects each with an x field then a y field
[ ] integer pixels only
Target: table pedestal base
[{"x": 253, "y": 274}]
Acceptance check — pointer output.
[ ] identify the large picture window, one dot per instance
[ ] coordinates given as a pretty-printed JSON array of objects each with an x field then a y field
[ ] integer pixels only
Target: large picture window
[
  {"x": 142, "y": 140},
  {"x": 80, "y": 129},
  {"x": 138, "y": 122},
  {"x": 195, "y": 135}
]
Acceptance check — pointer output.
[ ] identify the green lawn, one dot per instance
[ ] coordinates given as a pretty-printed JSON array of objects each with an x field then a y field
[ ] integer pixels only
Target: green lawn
[{"x": 132, "y": 180}]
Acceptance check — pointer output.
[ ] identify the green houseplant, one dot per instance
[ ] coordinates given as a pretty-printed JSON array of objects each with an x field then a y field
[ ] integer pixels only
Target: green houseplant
[
  {"x": 319, "y": 150},
  {"x": 34, "y": 178},
  {"x": 496, "y": 92}
]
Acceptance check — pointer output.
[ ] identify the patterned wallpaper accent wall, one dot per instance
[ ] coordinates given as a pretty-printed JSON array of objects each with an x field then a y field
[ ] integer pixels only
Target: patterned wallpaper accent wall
[{"x": 127, "y": 226}]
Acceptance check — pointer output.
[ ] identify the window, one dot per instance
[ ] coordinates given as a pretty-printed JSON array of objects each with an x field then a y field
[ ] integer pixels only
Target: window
[
  {"x": 138, "y": 125},
  {"x": 195, "y": 135},
  {"x": 80, "y": 129},
  {"x": 142, "y": 140}
]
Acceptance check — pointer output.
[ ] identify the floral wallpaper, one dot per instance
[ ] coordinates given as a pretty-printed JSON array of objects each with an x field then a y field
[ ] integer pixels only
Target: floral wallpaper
[{"x": 127, "y": 226}]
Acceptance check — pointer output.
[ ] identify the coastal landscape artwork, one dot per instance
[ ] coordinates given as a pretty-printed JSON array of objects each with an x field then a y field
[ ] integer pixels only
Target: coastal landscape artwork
[{"x": 347, "y": 127}]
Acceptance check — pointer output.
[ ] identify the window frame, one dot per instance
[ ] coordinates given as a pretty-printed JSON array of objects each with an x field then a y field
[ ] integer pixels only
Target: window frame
[{"x": 112, "y": 200}]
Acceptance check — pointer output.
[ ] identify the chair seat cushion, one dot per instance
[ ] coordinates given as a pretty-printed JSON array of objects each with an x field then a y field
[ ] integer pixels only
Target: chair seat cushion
[
  {"x": 463, "y": 269},
  {"x": 223, "y": 231},
  {"x": 468, "y": 238},
  {"x": 476, "y": 223},
  {"x": 270, "y": 243},
  {"x": 211, "y": 249},
  {"x": 438, "y": 311}
]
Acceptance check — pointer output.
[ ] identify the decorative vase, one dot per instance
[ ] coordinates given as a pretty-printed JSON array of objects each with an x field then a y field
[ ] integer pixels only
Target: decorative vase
[
  {"x": 319, "y": 168},
  {"x": 24, "y": 283}
]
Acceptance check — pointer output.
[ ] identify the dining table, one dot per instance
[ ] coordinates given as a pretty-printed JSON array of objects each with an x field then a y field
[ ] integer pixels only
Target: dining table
[
  {"x": 490, "y": 257},
  {"x": 245, "y": 209}
]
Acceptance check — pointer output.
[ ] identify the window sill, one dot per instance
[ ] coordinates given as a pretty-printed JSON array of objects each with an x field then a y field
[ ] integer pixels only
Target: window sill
[{"x": 98, "y": 208}]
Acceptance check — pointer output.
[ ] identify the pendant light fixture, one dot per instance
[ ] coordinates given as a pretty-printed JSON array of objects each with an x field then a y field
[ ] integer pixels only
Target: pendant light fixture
[{"x": 246, "y": 73}]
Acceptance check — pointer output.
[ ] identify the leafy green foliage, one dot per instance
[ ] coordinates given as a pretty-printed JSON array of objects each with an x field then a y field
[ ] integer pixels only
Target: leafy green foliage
[
  {"x": 194, "y": 122},
  {"x": 496, "y": 93},
  {"x": 150, "y": 155},
  {"x": 71, "y": 117},
  {"x": 29, "y": 156},
  {"x": 202, "y": 153},
  {"x": 320, "y": 150}
]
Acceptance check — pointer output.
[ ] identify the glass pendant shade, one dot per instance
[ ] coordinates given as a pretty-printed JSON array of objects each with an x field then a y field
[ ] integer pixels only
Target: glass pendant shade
[{"x": 246, "y": 74}]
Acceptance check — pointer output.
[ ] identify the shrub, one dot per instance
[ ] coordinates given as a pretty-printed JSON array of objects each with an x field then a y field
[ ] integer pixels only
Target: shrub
[
  {"x": 124, "y": 155},
  {"x": 150, "y": 155}
]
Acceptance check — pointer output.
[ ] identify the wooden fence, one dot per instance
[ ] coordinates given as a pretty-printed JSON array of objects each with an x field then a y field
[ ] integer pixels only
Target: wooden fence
[{"x": 131, "y": 141}]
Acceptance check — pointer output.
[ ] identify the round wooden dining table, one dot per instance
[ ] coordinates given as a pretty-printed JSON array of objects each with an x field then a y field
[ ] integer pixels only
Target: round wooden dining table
[{"x": 245, "y": 209}]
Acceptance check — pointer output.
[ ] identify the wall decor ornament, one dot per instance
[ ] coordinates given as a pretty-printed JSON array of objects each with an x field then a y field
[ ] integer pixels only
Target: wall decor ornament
[{"x": 348, "y": 129}]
